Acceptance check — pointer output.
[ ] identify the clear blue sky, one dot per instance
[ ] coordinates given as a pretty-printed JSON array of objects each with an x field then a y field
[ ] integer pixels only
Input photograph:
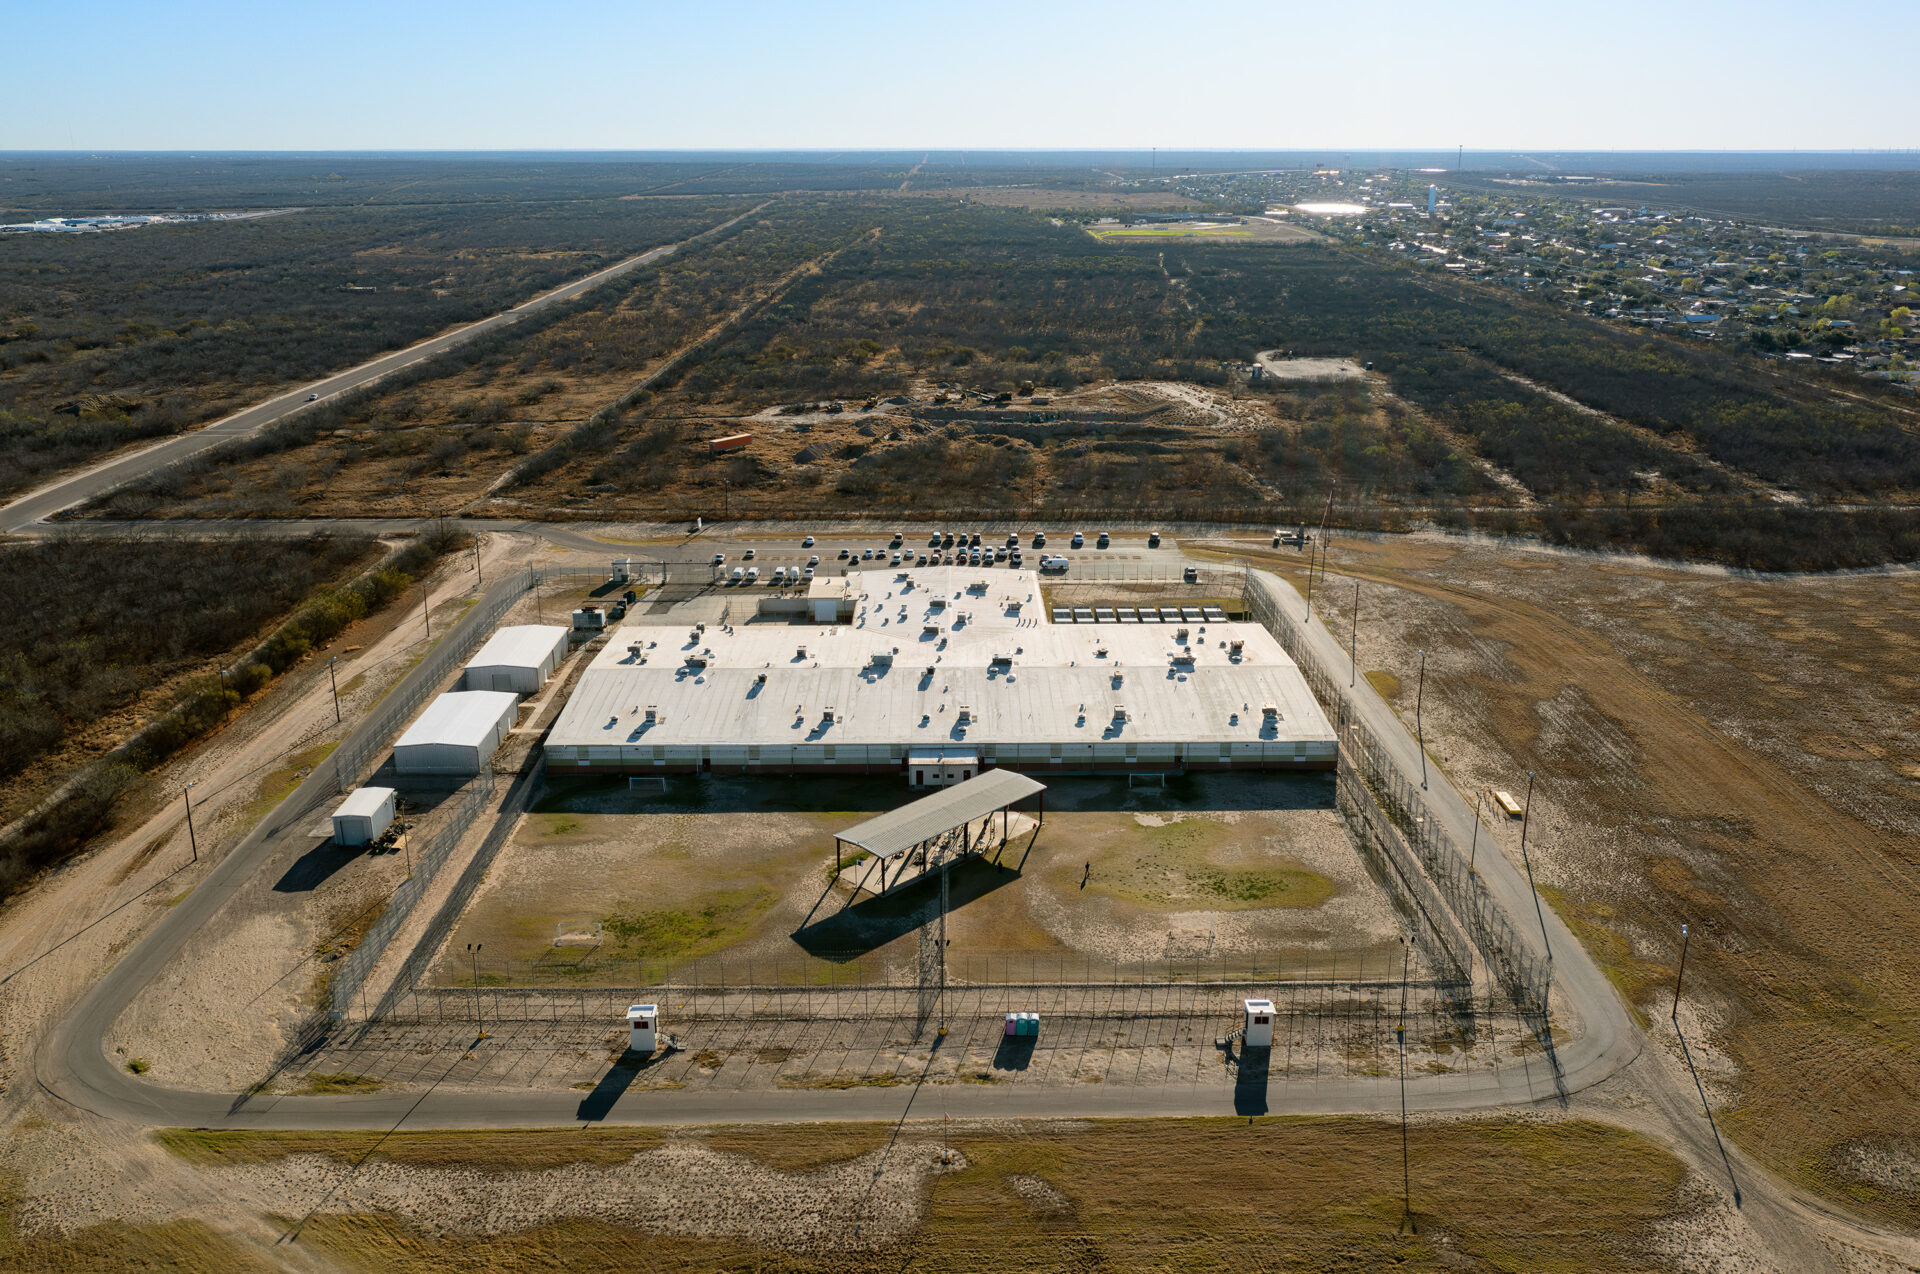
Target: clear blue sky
[{"x": 435, "y": 74}]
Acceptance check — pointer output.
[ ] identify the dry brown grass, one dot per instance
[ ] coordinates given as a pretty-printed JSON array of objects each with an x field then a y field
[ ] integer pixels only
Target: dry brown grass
[
  {"x": 515, "y": 1151},
  {"x": 1158, "y": 1195},
  {"x": 1734, "y": 754}
]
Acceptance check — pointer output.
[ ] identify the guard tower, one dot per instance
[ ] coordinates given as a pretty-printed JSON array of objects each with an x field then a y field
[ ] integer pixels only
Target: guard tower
[
  {"x": 1258, "y": 1031},
  {"x": 643, "y": 1028}
]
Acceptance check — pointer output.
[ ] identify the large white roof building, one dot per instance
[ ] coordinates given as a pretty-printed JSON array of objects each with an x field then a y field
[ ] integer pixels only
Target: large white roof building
[{"x": 959, "y": 662}]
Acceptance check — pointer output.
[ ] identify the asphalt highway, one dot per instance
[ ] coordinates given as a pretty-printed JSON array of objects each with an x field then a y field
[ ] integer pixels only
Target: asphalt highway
[
  {"x": 64, "y": 493},
  {"x": 72, "y": 1063}
]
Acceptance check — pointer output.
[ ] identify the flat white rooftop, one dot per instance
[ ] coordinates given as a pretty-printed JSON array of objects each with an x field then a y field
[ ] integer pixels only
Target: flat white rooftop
[
  {"x": 520, "y": 646},
  {"x": 464, "y": 718},
  {"x": 940, "y": 656}
]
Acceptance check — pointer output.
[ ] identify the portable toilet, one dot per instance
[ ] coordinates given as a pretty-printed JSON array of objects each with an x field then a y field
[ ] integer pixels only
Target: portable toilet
[
  {"x": 643, "y": 1027},
  {"x": 1023, "y": 1024},
  {"x": 1259, "y": 1024}
]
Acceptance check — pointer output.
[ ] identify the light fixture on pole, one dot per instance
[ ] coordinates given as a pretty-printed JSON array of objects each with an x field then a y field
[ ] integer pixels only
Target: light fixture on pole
[{"x": 1679, "y": 977}]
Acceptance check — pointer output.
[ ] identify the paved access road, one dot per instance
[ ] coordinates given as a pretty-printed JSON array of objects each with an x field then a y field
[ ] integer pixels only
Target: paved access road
[
  {"x": 73, "y": 1065},
  {"x": 64, "y": 493}
]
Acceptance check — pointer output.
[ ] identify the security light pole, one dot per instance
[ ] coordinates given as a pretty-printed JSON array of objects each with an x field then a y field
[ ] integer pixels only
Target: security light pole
[
  {"x": 1679, "y": 977},
  {"x": 1353, "y": 643},
  {"x": 1474, "y": 848},
  {"x": 193, "y": 841},
  {"x": 1419, "y": 701},
  {"x": 334, "y": 681},
  {"x": 473, "y": 956},
  {"x": 1400, "y": 1034}
]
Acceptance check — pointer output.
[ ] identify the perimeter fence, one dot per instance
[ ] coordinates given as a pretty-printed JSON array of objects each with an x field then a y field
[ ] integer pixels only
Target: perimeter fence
[
  {"x": 350, "y": 975},
  {"x": 1390, "y": 810},
  {"x": 352, "y": 760}
]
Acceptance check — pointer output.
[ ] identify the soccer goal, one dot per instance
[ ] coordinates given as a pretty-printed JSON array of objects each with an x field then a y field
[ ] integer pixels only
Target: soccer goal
[
  {"x": 648, "y": 783},
  {"x": 578, "y": 933},
  {"x": 1146, "y": 780}
]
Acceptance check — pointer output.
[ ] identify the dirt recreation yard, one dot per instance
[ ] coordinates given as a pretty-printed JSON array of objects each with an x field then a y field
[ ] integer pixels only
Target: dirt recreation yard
[
  {"x": 1213, "y": 867},
  {"x": 1734, "y": 753}
]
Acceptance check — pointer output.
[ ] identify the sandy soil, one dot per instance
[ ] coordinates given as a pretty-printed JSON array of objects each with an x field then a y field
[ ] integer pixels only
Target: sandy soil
[
  {"x": 1733, "y": 753},
  {"x": 743, "y": 874}
]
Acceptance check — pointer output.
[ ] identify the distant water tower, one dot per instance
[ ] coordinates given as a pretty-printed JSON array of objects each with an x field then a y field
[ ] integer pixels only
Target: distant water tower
[{"x": 1433, "y": 197}]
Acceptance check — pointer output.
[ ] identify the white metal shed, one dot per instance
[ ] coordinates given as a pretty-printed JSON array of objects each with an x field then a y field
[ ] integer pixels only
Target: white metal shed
[
  {"x": 363, "y": 816},
  {"x": 519, "y": 658},
  {"x": 457, "y": 734}
]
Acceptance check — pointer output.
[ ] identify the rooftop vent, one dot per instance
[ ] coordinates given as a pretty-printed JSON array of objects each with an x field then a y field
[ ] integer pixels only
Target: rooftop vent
[
  {"x": 1099, "y": 652},
  {"x": 760, "y": 679},
  {"x": 928, "y": 672}
]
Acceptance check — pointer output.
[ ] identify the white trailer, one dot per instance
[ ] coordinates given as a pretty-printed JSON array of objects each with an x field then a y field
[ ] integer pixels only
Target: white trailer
[
  {"x": 457, "y": 734},
  {"x": 518, "y": 658},
  {"x": 363, "y": 816}
]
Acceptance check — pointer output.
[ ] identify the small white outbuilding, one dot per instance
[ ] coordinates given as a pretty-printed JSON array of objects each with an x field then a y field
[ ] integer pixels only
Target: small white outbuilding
[
  {"x": 363, "y": 816},
  {"x": 519, "y": 658},
  {"x": 457, "y": 734},
  {"x": 643, "y": 1028}
]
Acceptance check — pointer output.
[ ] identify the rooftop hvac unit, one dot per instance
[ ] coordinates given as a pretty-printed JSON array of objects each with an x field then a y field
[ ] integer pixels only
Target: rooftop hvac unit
[
  {"x": 1120, "y": 712},
  {"x": 881, "y": 658},
  {"x": 1000, "y": 659},
  {"x": 653, "y": 713},
  {"x": 637, "y": 649},
  {"x": 827, "y": 715},
  {"x": 965, "y": 715},
  {"x": 1236, "y": 647},
  {"x": 1119, "y": 678},
  {"x": 696, "y": 661},
  {"x": 1099, "y": 652},
  {"x": 1270, "y": 711},
  {"x": 1183, "y": 657},
  {"x": 930, "y": 630},
  {"x": 800, "y": 653},
  {"x": 760, "y": 679},
  {"x": 1180, "y": 634},
  {"x": 938, "y": 603}
]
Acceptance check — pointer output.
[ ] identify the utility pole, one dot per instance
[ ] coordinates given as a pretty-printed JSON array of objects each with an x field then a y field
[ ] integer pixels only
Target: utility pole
[
  {"x": 334, "y": 681},
  {"x": 1400, "y": 1033},
  {"x": 1419, "y": 700},
  {"x": 1678, "y": 978},
  {"x": 1353, "y": 644},
  {"x": 943, "y": 946},
  {"x": 193, "y": 841},
  {"x": 1526, "y": 815},
  {"x": 427, "y": 616},
  {"x": 1474, "y": 848},
  {"x": 473, "y": 955},
  {"x": 477, "y": 577}
]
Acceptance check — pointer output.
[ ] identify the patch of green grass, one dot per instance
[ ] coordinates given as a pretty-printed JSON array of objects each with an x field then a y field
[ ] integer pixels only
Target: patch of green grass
[
  {"x": 557, "y": 824},
  {"x": 322, "y": 1083},
  {"x": 839, "y": 1082},
  {"x": 710, "y": 922},
  {"x": 278, "y": 784},
  {"x": 1385, "y": 683},
  {"x": 139, "y": 1065}
]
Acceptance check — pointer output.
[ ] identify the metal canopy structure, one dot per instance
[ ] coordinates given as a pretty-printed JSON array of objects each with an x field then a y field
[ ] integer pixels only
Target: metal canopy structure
[
  {"x": 924, "y": 829},
  {"x": 897, "y": 831}
]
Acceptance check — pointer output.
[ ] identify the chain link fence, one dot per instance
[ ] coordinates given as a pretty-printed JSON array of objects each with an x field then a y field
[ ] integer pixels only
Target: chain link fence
[{"x": 1392, "y": 814}]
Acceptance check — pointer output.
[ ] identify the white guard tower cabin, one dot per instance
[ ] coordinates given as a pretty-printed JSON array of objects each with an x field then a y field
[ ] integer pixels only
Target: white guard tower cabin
[
  {"x": 643, "y": 1028},
  {"x": 1259, "y": 1025}
]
